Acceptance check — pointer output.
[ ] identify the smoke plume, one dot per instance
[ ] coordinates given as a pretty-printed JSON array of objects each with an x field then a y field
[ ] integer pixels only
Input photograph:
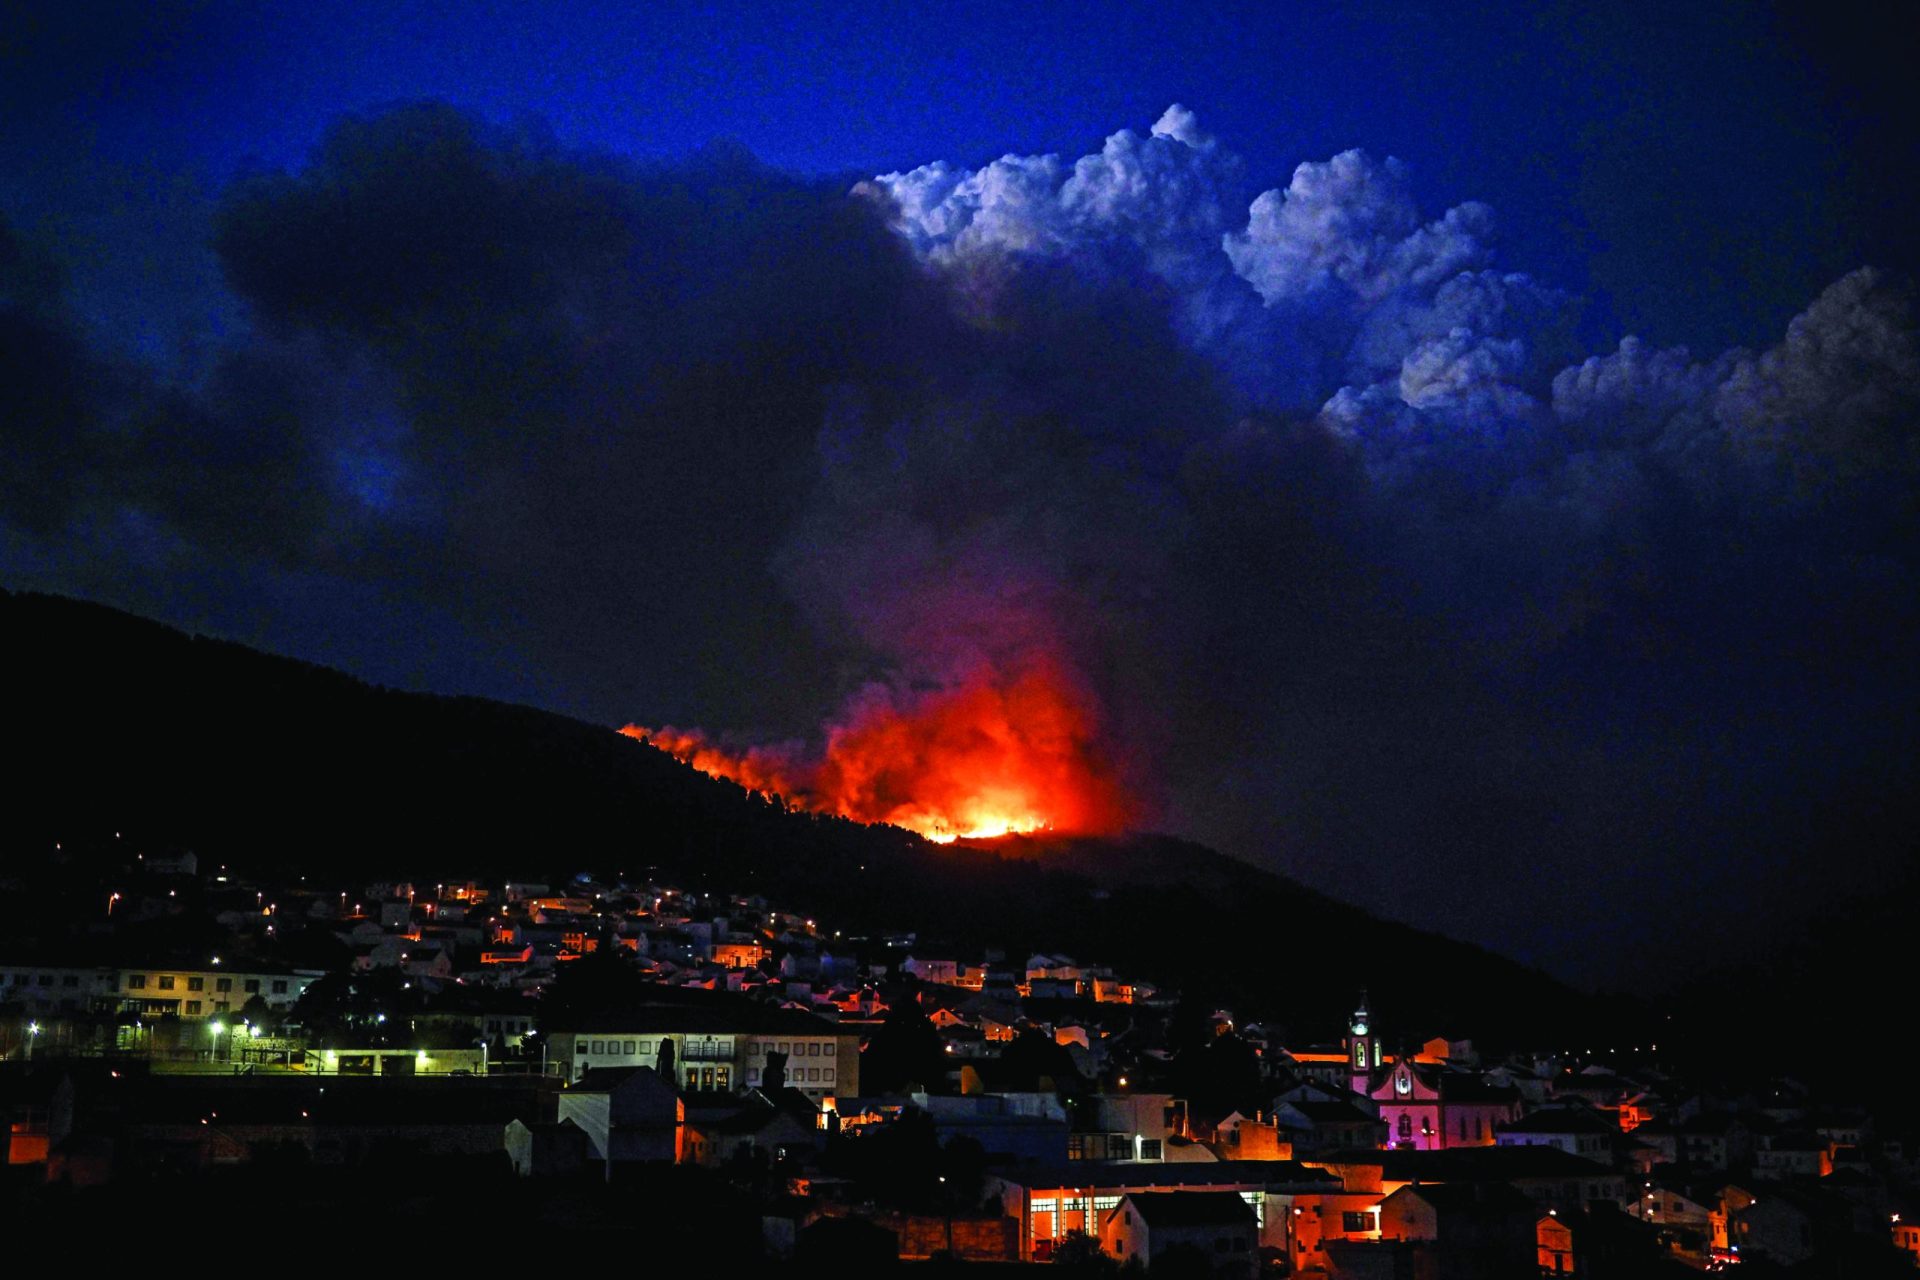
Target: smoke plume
[{"x": 1122, "y": 490}]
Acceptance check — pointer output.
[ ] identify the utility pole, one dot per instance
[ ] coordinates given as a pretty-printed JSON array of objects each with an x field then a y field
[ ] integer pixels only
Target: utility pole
[{"x": 947, "y": 1197}]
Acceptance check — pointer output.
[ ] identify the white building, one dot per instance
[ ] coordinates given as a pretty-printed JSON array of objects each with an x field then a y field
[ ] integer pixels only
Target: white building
[{"x": 718, "y": 1048}]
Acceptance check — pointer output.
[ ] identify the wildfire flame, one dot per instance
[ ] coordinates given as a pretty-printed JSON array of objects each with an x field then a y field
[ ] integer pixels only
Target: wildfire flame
[{"x": 990, "y": 755}]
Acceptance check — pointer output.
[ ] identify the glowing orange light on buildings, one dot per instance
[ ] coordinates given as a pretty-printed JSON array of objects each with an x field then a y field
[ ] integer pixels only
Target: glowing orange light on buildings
[{"x": 992, "y": 755}]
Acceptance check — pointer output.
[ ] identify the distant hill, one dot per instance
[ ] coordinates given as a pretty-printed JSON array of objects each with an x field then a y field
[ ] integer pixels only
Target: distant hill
[{"x": 274, "y": 764}]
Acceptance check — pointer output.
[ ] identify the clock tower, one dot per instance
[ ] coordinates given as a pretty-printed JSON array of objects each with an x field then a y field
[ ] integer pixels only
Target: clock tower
[{"x": 1363, "y": 1049}]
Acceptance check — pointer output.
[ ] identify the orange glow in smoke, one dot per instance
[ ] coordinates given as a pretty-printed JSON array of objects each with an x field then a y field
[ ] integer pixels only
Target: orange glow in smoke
[{"x": 990, "y": 756}]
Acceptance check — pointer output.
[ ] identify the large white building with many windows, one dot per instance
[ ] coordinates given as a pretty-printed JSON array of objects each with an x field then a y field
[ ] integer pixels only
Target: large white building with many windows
[
  {"x": 718, "y": 1048},
  {"x": 152, "y": 991}
]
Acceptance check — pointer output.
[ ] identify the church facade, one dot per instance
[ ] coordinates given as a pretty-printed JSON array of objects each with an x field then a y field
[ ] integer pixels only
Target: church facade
[{"x": 1426, "y": 1106}]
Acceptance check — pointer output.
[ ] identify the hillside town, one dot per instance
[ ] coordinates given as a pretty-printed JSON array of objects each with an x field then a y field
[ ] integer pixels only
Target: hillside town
[{"x": 879, "y": 1098}]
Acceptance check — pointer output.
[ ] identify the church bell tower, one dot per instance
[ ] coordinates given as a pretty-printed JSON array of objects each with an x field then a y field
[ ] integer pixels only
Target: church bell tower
[{"x": 1363, "y": 1049}]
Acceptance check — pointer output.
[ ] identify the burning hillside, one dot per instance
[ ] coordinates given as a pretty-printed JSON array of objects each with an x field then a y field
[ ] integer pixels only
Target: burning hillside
[{"x": 988, "y": 755}]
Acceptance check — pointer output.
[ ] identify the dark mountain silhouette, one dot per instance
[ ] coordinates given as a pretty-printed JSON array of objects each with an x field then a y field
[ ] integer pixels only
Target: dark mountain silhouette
[{"x": 282, "y": 767}]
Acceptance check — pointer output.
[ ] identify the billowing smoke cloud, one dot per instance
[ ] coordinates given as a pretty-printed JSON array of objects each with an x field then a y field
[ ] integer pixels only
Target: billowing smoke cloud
[{"x": 1325, "y": 534}]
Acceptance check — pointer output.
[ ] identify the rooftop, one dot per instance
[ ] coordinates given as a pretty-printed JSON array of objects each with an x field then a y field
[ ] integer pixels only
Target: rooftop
[
  {"x": 1191, "y": 1209},
  {"x": 1146, "y": 1174}
]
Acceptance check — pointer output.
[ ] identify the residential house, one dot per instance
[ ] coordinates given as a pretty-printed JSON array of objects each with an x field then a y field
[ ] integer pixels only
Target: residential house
[
  {"x": 1219, "y": 1230},
  {"x": 1124, "y": 1126},
  {"x": 1770, "y": 1224},
  {"x": 1553, "y": 1246},
  {"x": 947, "y": 973},
  {"x": 547, "y": 1149},
  {"x": 757, "y": 1127},
  {"x": 1715, "y": 1141},
  {"x": 1316, "y": 1125},
  {"x": 1798, "y": 1154},
  {"x": 1662, "y": 1139},
  {"x": 1549, "y": 1177},
  {"x": 629, "y": 1114},
  {"x": 1477, "y": 1230},
  {"x": 1663, "y": 1204},
  {"x": 737, "y": 954},
  {"x": 1323, "y": 1064},
  {"x": 1049, "y": 1202},
  {"x": 43, "y": 988},
  {"x": 1008, "y": 1126},
  {"x": 1256, "y": 1137},
  {"x": 1906, "y": 1238},
  {"x": 1577, "y": 1131}
]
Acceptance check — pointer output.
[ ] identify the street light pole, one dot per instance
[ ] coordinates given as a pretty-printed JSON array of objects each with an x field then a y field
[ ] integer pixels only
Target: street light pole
[{"x": 947, "y": 1197}]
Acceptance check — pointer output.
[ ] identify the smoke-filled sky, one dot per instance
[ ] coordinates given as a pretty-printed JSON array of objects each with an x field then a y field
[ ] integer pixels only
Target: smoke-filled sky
[{"x": 1465, "y": 463}]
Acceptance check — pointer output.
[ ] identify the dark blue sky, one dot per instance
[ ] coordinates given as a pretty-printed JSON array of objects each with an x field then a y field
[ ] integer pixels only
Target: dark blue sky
[
  {"x": 416, "y": 339},
  {"x": 1703, "y": 169}
]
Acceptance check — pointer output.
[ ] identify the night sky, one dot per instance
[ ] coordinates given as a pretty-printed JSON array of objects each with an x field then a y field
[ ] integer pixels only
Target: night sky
[{"x": 1465, "y": 463}]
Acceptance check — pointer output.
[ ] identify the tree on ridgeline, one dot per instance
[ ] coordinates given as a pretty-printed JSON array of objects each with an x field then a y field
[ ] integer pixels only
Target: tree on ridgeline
[
  {"x": 906, "y": 1049},
  {"x": 1035, "y": 1060},
  {"x": 348, "y": 1009},
  {"x": 600, "y": 983},
  {"x": 663, "y": 1062}
]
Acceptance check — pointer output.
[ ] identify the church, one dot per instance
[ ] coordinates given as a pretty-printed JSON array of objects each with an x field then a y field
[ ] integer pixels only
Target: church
[{"x": 1426, "y": 1106}]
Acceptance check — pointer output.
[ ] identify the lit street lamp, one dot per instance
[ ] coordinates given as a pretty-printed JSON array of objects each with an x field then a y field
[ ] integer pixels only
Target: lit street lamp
[
  {"x": 947, "y": 1198},
  {"x": 33, "y": 1033},
  {"x": 216, "y": 1028}
]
